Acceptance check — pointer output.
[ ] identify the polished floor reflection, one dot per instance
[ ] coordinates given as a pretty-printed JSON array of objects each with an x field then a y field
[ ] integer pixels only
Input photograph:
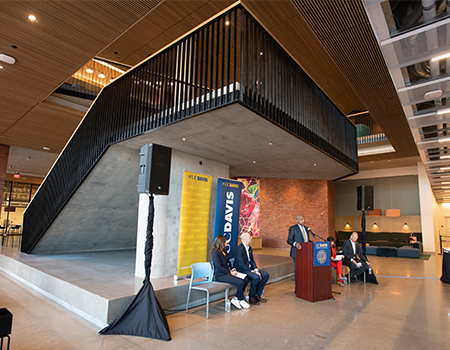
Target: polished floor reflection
[{"x": 409, "y": 309}]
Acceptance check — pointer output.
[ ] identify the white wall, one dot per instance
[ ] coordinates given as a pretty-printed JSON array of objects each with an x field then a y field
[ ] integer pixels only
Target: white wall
[
  {"x": 443, "y": 211},
  {"x": 373, "y": 174},
  {"x": 427, "y": 203}
]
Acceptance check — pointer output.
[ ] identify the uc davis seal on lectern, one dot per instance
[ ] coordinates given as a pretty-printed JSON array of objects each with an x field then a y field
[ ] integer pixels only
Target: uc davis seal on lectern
[{"x": 321, "y": 254}]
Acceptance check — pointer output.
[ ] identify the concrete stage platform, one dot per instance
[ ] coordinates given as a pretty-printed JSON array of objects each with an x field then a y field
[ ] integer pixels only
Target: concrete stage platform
[{"x": 99, "y": 286}]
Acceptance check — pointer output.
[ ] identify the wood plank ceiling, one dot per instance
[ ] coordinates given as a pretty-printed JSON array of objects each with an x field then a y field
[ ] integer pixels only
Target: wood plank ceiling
[
  {"x": 331, "y": 40},
  {"x": 66, "y": 35}
]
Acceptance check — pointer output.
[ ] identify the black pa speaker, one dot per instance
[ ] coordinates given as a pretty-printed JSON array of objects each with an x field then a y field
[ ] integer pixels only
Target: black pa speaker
[
  {"x": 155, "y": 169},
  {"x": 365, "y": 198}
]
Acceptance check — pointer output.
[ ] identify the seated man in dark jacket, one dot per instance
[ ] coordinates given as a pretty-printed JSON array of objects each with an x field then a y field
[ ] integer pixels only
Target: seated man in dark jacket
[
  {"x": 245, "y": 263},
  {"x": 354, "y": 258}
]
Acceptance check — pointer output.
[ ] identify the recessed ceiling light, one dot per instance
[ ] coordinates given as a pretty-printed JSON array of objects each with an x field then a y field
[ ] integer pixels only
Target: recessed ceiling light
[
  {"x": 32, "y": 18},
  {"x": 443, "y": 111},
  {"x": 101, "y": 75},
  {"x": 46, "y": 148},
  {"x": 1, "y": 67},
  {"x": 7, "y": 59},
  {"x": 227, "y": 23},
  {"x": 109, "y": 66},
  {"x": 89, "y": 70},
  {"x": 437, "y": 58}
]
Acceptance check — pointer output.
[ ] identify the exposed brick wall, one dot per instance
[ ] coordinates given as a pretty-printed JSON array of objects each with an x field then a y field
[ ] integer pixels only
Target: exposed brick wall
[
  {"x": 283, "y": 199},
  {"x": 4, "y": 153},
  {"x": 331, "y": 211}
]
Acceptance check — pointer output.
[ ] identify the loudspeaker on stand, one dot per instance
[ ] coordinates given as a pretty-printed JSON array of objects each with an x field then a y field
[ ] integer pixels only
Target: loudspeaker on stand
[
  {"x": 154, "y": 173},
  {"x": 365, "y": 198}
]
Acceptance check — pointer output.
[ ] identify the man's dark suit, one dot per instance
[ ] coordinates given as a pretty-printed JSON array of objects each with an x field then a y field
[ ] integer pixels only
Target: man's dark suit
[
  {"x": 295, "y": 235},
  {"x": 358, "y": 256},
  {"x": 243, "y": 264}
]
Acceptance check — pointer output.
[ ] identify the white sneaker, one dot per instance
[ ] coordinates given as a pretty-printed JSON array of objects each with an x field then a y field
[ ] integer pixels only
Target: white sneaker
[
  {"x": 236, "y": 303},
  {"x": 244, "y": 304}
]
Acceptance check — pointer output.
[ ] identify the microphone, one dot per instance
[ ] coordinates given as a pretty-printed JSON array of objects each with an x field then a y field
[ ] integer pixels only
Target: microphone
[{"x": 309, "y": 230}]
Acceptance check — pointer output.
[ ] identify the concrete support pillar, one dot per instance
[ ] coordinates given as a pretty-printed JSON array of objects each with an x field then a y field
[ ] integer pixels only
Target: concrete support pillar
[
  {"x": 427, "y": 203},
  {"x": 167, "y": 214},
  {"x": 4, "y": 154}
]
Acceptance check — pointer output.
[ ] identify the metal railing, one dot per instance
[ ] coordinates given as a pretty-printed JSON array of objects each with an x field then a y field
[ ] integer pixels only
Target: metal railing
[
  {"x": 371, "y": 138},
  {"x": 231, "y": 59}
]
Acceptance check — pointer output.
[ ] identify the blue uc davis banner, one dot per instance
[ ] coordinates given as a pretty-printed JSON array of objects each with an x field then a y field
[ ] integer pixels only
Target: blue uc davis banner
[
  {"x": 226, "y": 222},
  {"x": 321, "y": 254}
]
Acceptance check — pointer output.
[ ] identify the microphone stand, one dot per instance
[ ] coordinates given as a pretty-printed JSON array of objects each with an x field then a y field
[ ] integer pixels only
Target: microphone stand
[
  {"x": 309, "y": 230},
  {"x": 320, "y": 238}
]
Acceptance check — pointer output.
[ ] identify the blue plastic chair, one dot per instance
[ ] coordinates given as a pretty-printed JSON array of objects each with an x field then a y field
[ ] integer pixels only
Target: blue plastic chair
[{"x": 205, "y": 272}]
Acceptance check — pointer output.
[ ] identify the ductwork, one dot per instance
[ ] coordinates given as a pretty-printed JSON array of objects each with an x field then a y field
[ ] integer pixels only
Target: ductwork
[{"x": 429, "y": 12}]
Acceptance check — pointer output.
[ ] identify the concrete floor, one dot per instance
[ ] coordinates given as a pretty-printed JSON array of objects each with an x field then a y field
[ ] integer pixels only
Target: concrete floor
[{"x": 409, "y": 309}]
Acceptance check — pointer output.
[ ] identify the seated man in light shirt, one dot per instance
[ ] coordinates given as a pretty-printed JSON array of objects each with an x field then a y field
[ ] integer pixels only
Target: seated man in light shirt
[
  {"x": 354, "y": 258},
  {"x": 245, "y": 263}
]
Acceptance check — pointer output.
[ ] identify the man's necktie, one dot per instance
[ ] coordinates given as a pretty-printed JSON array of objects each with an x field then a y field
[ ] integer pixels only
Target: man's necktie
[{"x": 305, "y": 237}]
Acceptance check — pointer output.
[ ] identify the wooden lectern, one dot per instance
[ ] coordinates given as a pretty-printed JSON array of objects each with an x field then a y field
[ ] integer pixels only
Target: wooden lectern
[{"x": 313, "y": 282}]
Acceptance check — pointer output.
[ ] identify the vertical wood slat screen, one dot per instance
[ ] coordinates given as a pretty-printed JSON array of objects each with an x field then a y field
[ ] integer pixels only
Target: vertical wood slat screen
[{"x": 230, "y": 59}]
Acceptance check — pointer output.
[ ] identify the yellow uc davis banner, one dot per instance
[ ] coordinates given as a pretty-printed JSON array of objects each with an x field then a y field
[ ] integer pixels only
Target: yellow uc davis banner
[{"x": 194, "y": 220}]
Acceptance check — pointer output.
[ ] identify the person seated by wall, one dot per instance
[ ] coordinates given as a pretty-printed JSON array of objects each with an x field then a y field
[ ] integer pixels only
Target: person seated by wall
[
  {"x": 354, "y": 258},
  {"x": 336, "y": 263},
  {"x": 225, "y": 273},
  {"x": 245, "y": 263}
]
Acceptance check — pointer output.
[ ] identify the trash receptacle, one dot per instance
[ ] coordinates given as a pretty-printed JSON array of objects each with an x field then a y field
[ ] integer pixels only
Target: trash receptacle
[
  {"x": 5, "y": 322},
  {"x": 5, "y": 325}
]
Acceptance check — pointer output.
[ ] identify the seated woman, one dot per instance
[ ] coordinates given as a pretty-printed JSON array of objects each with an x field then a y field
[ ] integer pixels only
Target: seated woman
[
  {"x": 224, "y": 272},
  {"x": 337, "y": 264}
]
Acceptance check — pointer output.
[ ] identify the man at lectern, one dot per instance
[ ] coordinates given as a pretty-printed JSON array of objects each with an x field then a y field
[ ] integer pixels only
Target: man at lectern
[
  {"x": 245, "y": 263},
  {"x": 354, "y": 258},
  {"x": 298, "y": 234}
]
